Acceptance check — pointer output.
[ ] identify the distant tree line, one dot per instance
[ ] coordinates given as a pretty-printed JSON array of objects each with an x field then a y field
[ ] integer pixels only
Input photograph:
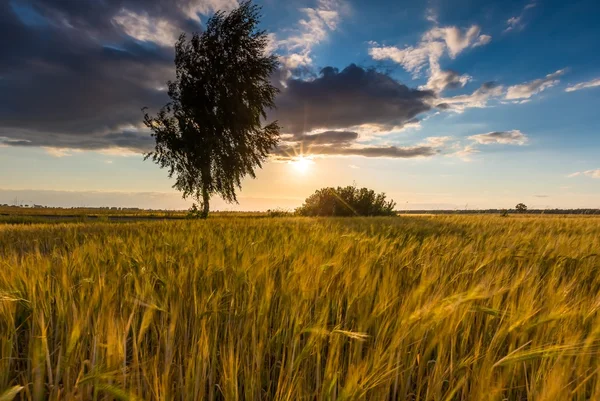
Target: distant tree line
[{"x": 500, "y": 211}]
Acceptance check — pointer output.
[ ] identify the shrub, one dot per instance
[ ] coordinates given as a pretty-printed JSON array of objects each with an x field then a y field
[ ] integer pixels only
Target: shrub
[
  {"x": 346, "y": 201},
  {"x": 278, "y": 213},
  {"x": 194, "y": 212}
]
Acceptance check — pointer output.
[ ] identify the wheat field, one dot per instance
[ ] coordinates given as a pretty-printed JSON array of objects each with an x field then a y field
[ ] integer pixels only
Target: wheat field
[{"x": 408, "y": 308}]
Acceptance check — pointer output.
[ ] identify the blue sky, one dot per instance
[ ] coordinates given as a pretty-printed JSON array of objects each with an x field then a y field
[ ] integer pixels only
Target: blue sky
[{"x": 443, "y": 104}]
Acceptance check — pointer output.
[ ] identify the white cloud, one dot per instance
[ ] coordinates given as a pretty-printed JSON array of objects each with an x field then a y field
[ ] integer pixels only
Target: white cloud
[
  {"x": 514, "y": 137},
  {"x": 438, "y": 141},
  {"x": 483, "y": 40},
  {"x": 514, "y": 23},
  {"x": 147, "y": 29},
  {"x": 589, "y": 173},
  {"x": 433, "y": 45},
  {"x": 466, "y": 153},
  {"x": 455, "y": 39},
  {"x": 206, "y": 7},
  {"x": 60, "y": 152},
  {"x": 311, "y": 30},
  {"x": 293, "y": 61},
  {"x": 478, "y": 99},
  {"x": 120, "y": 152},
  {"x": 440, "y": 79},
  {"x": 413, "y": 59},
  {"x": 431, "y": 15},
  {"x": 528, "y": 89},
  {"x": 583, "y": 85}
]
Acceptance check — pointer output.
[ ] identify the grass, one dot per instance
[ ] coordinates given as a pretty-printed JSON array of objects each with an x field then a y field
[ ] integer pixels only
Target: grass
[{"x": 410, "y": 308}]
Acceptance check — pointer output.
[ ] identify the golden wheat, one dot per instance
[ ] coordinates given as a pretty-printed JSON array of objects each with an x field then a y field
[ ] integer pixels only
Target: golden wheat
[{"x": 410, "y": 308}]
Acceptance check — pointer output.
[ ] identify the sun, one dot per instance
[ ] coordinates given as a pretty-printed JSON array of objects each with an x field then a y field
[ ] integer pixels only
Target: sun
[{"x": 302, "y": 163}]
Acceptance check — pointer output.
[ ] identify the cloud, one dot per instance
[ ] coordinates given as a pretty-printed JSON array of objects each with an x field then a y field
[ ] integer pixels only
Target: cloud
[
  {"x": 328, "y": 137},
  {"x": 588, "y": 173},
  {"x": 80, "y": 79},
  {"x": 528, "y": 89},
  {"x": 413, "y": 59},
  {"x": 478, "y": 99},
  {"x": 59, "y": 152},
  {"x": 431, "y": 15},
  {"x": 194, "y": 8},
  {"x": 335, "y": 113},
  {"x": 438, "y": 141},
  {"x": 433, "y": 45},
  {"x": 491, "y": 90},
  {"x": 514, "y": 23},
  {"x": 393, "y": 152},
  {"x": 146, "y": 29},
  {"x": 514, "y": 137},
  {"x": 440, "y": 80},
  {"x": 456, "y": 39},
  {"x": 348, "y": 98},
  {"x": 310, "y": 31},
  {"x": 583, "y": 85},
  {"x": 466, "y": 153}
]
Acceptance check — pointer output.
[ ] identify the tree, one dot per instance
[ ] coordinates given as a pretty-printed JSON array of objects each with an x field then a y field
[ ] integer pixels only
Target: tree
[
  {"x": 210, "y": 136},
  {"x": 346, "y": 201},
  {"x": 521, "y": 208}
]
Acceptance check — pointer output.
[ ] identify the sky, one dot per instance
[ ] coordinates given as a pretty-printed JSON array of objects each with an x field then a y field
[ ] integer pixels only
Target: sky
[{"x": 440, "y": 104}]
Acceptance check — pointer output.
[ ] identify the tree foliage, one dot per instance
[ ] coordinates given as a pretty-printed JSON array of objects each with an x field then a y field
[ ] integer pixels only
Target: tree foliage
[
  {"x": 347, "y": 201},
  {"x": 210, "y": 135},
  {"x": 521, "y": 208}
]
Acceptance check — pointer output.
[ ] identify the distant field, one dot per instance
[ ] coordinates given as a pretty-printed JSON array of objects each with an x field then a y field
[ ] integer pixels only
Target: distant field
[
  {"x": 79, "y": 212},
  {"x": 25, "y": 215},
  {"x": 408, "y": 308}
]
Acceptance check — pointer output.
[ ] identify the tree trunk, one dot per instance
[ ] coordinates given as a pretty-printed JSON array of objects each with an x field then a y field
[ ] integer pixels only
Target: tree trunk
[{"x": 205, "y": 202}]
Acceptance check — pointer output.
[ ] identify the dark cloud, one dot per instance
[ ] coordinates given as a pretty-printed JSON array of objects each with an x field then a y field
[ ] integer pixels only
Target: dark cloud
[
  {"x": 289, "y": 152},
  {"x": 347, "y": 98},
  {"x": 328, "y": 138},
  {"x": 75, "y": 74},
  {"x": 382, "y": 151},
  {"x": 72, "y": 77}
]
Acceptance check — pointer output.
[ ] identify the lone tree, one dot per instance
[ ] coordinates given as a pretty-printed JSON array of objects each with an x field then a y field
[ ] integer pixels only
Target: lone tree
[
  {"x": 346, "y": 201},
  {"x": 521, "y": 208},
  {"x": 210, "y": 135}
]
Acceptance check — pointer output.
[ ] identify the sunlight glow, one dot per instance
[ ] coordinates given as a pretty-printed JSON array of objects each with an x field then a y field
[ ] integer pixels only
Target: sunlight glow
[{"x": 302, "y": 163}]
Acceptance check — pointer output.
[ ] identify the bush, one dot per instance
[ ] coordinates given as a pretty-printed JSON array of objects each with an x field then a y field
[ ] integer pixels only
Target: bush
[
  {"x": 194, "y": 212},
  {"x": 346, "y": 201},
  {"x": 278, "y": 213}
]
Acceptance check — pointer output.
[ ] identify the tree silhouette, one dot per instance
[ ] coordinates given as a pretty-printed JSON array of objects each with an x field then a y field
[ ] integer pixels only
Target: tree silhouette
[
  {"x": 210, "y": 136},
  {"x": 521, "y": 208}
]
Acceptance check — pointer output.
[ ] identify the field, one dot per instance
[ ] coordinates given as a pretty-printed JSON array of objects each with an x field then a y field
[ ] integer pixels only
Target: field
[{"x": 407, "y": 308}]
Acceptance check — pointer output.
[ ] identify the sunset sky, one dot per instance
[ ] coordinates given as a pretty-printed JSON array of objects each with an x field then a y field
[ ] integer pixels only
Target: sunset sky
[{"x": 440, "y": 104}]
